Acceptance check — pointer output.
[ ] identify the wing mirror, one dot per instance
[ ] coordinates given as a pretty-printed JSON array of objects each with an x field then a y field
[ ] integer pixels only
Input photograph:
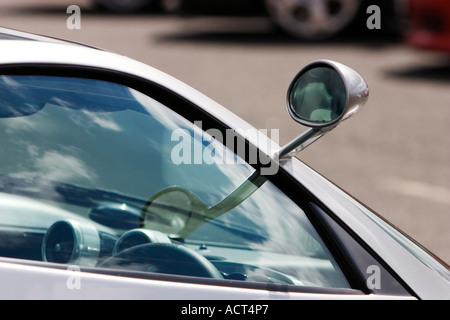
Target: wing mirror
[{"x": 321, "y": 96}]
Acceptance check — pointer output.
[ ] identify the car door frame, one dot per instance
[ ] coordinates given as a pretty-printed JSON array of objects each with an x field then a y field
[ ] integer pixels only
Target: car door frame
[{"x": 289, "y": 175}]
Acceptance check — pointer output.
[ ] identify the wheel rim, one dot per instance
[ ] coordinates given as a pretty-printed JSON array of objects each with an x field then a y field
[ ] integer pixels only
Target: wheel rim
[{"x": 313, "y": 19}]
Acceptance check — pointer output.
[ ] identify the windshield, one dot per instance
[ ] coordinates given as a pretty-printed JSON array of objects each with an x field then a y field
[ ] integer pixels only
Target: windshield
[{"x": 94, "y": 173}]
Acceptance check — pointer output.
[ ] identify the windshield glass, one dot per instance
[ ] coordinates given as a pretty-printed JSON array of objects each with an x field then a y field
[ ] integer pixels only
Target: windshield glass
[{"x": 97, "y": 174}]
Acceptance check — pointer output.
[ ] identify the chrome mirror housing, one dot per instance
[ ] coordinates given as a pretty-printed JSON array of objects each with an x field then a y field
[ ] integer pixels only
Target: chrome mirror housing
[{"x": 321, "y": 96}]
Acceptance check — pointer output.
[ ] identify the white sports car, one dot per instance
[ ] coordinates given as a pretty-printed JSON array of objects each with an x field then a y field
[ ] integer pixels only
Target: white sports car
[{"x": 119, "y": 182}]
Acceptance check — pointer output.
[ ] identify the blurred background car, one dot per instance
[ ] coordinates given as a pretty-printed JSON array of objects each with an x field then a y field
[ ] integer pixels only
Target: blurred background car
[
  {"x": 429, "y": 24},
  {"x": 317, "y": 20},
  {"x": 303, "y": 19}
]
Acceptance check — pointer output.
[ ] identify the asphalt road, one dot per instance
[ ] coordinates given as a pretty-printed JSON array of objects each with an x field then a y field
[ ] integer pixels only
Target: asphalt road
[{"x": 394, "y": 156}]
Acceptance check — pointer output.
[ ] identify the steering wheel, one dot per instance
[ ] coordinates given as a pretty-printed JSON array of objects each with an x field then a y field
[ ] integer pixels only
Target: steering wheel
[{"x": 169, "y": 258}]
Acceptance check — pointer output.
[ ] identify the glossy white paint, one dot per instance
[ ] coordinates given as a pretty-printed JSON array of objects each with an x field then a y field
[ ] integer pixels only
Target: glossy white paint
[
  {"x": 31, "y": 282},
  {"x": 421, "y": 279}
]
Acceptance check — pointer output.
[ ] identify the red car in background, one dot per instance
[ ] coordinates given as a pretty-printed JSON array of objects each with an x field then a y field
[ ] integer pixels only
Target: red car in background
[{"x": 429, "y": 24}]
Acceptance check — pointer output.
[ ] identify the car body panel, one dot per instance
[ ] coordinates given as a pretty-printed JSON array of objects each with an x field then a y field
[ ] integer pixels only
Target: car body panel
[
  {"x": 429, "y": 285},
  {"x": 33, "y": 282},
  {"x": 421, "y": 279}
]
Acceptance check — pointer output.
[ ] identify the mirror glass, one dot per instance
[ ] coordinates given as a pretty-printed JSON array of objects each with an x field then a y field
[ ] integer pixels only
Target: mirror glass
[{"x": 318, "y": 95}]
